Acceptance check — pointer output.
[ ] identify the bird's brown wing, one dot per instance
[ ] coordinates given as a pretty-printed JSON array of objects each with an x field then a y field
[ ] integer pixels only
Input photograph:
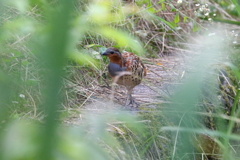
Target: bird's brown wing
[{"x": 134, "y": 64}]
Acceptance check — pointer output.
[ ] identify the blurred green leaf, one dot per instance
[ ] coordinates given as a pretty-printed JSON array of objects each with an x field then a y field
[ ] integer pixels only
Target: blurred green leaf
[
  {"x": 122, "y": 39},
  {"x": 54, "y": 55},
  {"x": 101, "y": 12},
  {"x": 163, "y": 6},
  {"x": 195, "y": 27},
  {"x": 237, "y": 6},
  {"x": 173, "y": 9},
  {"x": 164, "y": 21},
  {"x": 161, "y": 1},
  {"x": 7, "y": 60},
  {"x": 227, "y": 21},
  {"x": 95, "y": 46},
  {"x": 20, "y": 141},
  {"x": 21, "y": 5},
  {"x": 21, "y": 27},
  {"x": 185, "y": 19},
  {"x": 150, "y": 7},
  {"x": 83, "y": 59},
  {"x": 176, "y": 18},
  {"x": 234, "y": 69}
]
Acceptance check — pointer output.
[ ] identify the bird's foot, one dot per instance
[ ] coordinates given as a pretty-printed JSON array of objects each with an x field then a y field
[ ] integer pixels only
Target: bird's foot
[{"x": 131, "y": 104}]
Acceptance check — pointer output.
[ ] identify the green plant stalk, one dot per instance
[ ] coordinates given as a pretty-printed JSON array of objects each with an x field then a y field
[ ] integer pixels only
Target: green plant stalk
[
  {"x": 222, "y": 20},
  {"x": 231, "y": 124},
  {"x": 176, "y": 137},
  {"x": 55, "y": 57}
]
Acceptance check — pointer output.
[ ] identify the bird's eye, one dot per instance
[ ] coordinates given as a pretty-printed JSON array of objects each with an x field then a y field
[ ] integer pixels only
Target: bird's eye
[{"x": 111, "y": 52}]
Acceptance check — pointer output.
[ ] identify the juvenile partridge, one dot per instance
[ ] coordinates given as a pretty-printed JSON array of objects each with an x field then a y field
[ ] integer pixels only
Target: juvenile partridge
[{"x": 125, "y": 69}]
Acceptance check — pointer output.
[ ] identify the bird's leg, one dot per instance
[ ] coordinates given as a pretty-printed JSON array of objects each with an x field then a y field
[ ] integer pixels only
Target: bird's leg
[{"x": 130, "y": 102}]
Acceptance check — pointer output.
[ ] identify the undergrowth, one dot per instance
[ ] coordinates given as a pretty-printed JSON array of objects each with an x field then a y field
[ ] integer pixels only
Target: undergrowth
[{"x": 52, "y": 72}]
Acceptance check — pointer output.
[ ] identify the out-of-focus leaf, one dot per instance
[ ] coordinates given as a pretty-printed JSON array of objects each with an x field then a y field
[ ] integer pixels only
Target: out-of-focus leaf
[
  {"x": 176, "y": 18},
  {"x": 164, "y": 21},
  {"x": 161, "y": 1},
  {"x": 235, "y": 69},
  {"x": 140, "y": 2},
  {"x": 172, "y": 7},
  {"x": 93, "y": 46},
  {"x": 223, "y": 20},
  {"x": 21, "y": 5},
  {"x": 21, "y": 27},
  {"x": 150, "y": 7},
  {"x": 83, "y": 59},
  {"x": 122, "y": 38},
  {"x": 195, "y": 27},
  {"x": 102, "y": 12},
  {"x": 20, "y": 141},
  {"x": 236, "y": 4},
  {"x": 163, "y": 6},
  {"x": 185, "y": 19},
  {"x": 130, "y": 9}
]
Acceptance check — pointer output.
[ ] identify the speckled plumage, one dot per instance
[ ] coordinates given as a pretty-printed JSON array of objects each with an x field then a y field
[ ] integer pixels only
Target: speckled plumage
[
  {"x": 125, "y": 69},
  {"x": 134, "y": 65}
]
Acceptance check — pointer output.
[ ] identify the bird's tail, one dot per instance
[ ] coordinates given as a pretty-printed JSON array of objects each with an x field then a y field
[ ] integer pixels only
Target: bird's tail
[{"x": 144, "y": 69}]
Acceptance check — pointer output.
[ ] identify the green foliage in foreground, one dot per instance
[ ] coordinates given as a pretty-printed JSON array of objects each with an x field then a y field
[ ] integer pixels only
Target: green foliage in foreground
[{"x": 38, "y": 39}]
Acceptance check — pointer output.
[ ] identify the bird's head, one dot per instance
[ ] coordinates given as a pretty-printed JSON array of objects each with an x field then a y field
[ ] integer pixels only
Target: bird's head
[{"x": 112, "y": 53}]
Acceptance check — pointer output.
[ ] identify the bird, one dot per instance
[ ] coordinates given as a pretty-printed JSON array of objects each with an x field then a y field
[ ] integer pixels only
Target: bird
[{"x": 125, "y": 68}]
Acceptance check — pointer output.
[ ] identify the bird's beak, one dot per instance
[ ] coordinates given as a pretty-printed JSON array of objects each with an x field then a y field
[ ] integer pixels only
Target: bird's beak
[{"x": 104, "y": 54}]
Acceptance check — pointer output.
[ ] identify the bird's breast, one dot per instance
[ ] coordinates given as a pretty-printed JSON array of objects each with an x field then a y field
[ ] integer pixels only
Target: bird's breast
[{"x": 114, "y": 69}]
